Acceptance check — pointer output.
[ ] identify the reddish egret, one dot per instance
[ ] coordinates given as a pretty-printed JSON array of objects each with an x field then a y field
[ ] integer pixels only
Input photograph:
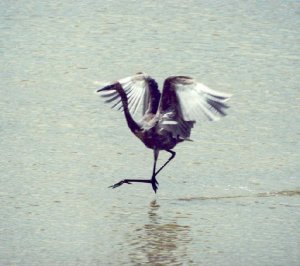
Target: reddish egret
[{"x": 167, "y": 117}]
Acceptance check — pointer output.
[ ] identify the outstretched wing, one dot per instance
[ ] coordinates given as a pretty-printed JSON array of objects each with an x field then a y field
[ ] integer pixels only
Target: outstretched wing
[
  {"x": 185, "y": 101},
  {"x": 141, "y": 90}
]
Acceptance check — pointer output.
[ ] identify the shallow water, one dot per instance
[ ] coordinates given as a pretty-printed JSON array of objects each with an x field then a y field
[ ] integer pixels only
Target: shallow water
[{"x": 231, "y": 197}]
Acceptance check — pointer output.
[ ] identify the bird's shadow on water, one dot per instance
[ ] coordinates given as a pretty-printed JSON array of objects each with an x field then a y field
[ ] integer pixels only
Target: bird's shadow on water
[{"x": 159, "y": 241}]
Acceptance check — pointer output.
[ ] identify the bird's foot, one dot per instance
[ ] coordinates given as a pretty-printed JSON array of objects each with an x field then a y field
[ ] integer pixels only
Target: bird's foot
[
  {"x": 120, "y": 183},
  {"x": 154, "y": 184}
]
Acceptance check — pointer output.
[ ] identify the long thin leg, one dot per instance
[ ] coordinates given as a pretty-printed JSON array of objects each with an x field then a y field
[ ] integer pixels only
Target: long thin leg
[
  {"x": 152, "y": 181},
  {"x": 155, "y": 173},
  {"x": 173, "y": 153}
]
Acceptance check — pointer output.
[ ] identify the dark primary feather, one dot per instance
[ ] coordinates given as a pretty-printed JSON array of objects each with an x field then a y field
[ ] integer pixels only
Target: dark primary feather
[{"x": 153, "y": 97}]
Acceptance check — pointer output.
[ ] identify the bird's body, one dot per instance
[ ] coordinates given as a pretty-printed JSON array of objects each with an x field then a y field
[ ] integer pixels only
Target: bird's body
[
  {"x": 167, "y": 117},
  {"x": 154, "y": 138}
]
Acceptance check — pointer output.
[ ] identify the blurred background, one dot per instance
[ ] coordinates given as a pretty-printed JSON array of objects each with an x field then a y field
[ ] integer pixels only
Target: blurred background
[{"x": 231, "y": 197}]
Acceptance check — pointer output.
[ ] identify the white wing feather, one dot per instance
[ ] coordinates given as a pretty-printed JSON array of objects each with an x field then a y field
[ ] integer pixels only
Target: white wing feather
[
  {"x": 136, "y": 89},
  {"x": 198, "y": 101}
]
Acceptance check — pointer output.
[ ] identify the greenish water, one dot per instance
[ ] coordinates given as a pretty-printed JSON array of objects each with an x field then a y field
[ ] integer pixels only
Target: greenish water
[{"x": 231, "y": 197}]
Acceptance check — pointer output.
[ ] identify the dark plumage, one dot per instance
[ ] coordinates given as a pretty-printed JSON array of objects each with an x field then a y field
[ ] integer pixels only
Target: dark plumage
[{"x": 168, "y": 117}]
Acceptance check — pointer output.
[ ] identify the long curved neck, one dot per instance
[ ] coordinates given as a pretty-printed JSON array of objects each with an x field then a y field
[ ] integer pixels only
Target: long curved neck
[{"x": 134, "y": 127}]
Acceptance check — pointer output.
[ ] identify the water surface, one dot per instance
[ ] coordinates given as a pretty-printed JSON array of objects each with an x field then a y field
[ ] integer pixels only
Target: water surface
[{"x": 231, "y": 197}]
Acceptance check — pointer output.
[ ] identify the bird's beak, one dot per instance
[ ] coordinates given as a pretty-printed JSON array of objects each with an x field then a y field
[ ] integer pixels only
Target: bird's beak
[{"x": 107, "y": 88}]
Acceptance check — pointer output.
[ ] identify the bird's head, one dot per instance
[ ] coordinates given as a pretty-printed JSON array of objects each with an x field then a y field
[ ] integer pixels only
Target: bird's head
[
  {"x": 110, "y": 88},
  {"x": 111, "y": 92},
  {"x": 107, "y": 88}
]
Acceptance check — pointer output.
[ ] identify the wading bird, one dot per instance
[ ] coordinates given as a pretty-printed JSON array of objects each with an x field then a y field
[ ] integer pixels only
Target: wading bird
[{"x": 167, "y": 117}]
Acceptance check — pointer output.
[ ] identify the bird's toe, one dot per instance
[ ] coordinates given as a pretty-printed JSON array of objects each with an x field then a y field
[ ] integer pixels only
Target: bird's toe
[
  {"x": 120, "y": 183},
  {"x": 154, "y": 185}
]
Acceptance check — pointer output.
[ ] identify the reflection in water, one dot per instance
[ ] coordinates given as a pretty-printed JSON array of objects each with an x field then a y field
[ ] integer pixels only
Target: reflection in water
[{"x": 158, "y": 242}]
